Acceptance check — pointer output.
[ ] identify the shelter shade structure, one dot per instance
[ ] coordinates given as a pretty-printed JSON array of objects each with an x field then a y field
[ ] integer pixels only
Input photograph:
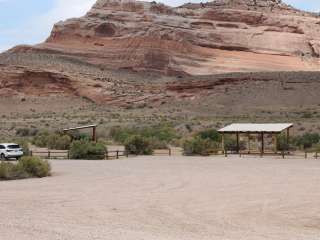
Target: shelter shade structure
[
  {"x": 94, "y": 130},
  {"x": 253, "y": 128}
]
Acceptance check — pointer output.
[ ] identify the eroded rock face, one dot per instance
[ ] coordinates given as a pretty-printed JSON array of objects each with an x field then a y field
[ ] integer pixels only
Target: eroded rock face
[
  {"x": 196, "y": 39},
  {"x": 126, "y": 53}
]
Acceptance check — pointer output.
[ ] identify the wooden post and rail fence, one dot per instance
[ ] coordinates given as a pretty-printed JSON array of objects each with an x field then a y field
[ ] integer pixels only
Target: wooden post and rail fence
[{"x": 108, "y": 155}]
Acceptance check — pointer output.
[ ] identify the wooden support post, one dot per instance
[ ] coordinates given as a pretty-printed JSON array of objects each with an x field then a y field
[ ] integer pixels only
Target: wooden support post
[
  {"x": 68, "y": 156},
  {"x": 305, "y": 155},
  {"x": 288, "y": 137},
  {"x": 262, "y": 144},
  {"x": 249, "y": 143},
  {"x": 169, "y": 151},
  {"x": 117, "y": 154},
  {"x": 222, "y": 144},
  {"x": 107, "y": 155},
  {"x": 275, "y": 136},
  {"x": 238, "y": 143},
  {"x": 49, "y": 154},
  {"x": 94, "y": 134},
  {"x": 316, "y": 156}
]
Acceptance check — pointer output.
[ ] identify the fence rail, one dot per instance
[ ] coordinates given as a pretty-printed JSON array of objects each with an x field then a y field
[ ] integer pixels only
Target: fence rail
[{"x": 117, "y": 154}]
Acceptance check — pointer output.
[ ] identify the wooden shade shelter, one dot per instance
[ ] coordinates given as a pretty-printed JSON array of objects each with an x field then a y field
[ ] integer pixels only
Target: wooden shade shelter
[
  {"x": 254, "y": 128},
  {"x": 94, "y": 130}
]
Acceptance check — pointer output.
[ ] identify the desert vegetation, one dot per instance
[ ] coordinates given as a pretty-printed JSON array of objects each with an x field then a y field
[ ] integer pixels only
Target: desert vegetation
[
  {"x": 83, "y": 149},
  {"x": 26, "y": 167},
  {"x": 154, "y": 137}
]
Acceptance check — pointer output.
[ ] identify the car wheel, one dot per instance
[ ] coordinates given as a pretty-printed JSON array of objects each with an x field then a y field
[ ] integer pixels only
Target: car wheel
[{"x": 2, "y": 157}]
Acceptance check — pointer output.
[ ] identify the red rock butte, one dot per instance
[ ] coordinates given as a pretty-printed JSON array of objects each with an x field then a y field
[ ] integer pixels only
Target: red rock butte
[{"x": 194, "y": 39}]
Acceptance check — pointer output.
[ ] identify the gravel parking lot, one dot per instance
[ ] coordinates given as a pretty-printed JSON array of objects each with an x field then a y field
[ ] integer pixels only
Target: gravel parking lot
[{"x": 166, "y": 198}]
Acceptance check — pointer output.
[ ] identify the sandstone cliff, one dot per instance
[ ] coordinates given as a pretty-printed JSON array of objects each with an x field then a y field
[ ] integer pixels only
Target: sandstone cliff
[
  {"x": 127, "y": 52},
  {"x": 196, "y": 39}
]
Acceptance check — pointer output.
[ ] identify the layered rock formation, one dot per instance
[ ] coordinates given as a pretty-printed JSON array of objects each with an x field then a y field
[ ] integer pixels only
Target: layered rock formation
[
  {"x": 103, "y": 54},
  {"x": 217, "y": 37}
]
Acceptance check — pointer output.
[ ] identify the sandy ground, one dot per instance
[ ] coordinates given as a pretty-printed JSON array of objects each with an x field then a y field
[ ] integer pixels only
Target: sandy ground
[{"x": 166, "y": 198}]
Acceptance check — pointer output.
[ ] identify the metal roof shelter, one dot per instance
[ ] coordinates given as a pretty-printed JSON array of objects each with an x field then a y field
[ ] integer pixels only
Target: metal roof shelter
[
  {"x": 94, "y": 128},
  {"x": 255, "y": 128}
]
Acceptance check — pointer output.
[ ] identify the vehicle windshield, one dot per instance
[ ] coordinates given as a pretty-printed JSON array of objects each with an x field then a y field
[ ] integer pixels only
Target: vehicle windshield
[{"x": 15, "y": 146}]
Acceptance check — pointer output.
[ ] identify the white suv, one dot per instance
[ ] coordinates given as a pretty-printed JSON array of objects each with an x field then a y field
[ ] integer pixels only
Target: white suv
[{"x": 10, "y": 150}]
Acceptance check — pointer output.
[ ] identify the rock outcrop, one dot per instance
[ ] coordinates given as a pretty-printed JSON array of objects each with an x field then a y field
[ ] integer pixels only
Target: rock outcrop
[
  {"x": 197, "y": 39},
  {"x": 128, "y": 52}
]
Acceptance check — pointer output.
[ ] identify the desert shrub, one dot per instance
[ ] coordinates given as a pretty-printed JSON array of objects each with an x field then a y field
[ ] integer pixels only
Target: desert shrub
[
  {"x": 307, "y": 140},
  {"x": 35, "y": 166},
  {"x": 11, "y": 171},
  {"x": 59, "y": 142},
  {"x": 82, "y": 149},
  {"x": 211, "y": 134},
  {"x": 52, "y": 141},
  {"x": 40, "y": 140},
  {"x": 120, "y": 135},
  {"x": 26, "y": 132},
  {"x": 200, "y": 146},
  {"x": 138, "y": 145},
  {"x": 163, "y": 134},
  {"x": 27, "y": 167}
]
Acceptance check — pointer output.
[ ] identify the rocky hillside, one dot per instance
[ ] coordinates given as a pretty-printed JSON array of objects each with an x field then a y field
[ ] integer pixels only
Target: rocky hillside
[
  {"x": 126, "y": 53},
  {"x": 197, "y": 39}
]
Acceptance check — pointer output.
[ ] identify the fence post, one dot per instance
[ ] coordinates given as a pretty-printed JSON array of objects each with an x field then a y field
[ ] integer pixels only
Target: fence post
[
  {"x": 117, "y": 154},
  {"x": 68, "y": 154},
  {"x": 282, "y": 153},
  {"x": 169, "y": 151},
  {"x": 49, "y": 155},
  {"x": 31, "y": 153},
  {"x": 305, "y": 155},
  {"x": 316, "y": 156},
  {"x": 225, "y": 153},
  {"x": 107, "y": 155}
]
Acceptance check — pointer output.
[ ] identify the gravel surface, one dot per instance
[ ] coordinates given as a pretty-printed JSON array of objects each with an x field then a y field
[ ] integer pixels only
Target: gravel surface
[{"x": 163, "y": 198}]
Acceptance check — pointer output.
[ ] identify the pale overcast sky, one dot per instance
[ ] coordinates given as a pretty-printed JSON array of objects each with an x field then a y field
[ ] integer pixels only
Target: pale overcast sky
[{"x": 30, "y": 22}]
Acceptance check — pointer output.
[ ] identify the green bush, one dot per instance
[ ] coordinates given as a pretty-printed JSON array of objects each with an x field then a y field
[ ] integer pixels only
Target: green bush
[
  {"x": 200, "y": 146},
  {"x": 11, "y": 171},
  {"x": 52, "y": 141},
  {"x": 40, "y": 140},
  {"x": 27, "y": 167},
  {"x": 35, "y": 166},
  {"x": 210, "y": 134},
  {"x": 159, "y": 133},
  {"x": 58, "y": 142},
  {"x": 139, "y": 145},
  {"x": 82, "y": 149},
  {"x": 307, "y": 140}
]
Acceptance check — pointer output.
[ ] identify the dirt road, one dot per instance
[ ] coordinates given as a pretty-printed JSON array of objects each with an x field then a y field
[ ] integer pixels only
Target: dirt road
[{"x": 163, "y": 198}]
